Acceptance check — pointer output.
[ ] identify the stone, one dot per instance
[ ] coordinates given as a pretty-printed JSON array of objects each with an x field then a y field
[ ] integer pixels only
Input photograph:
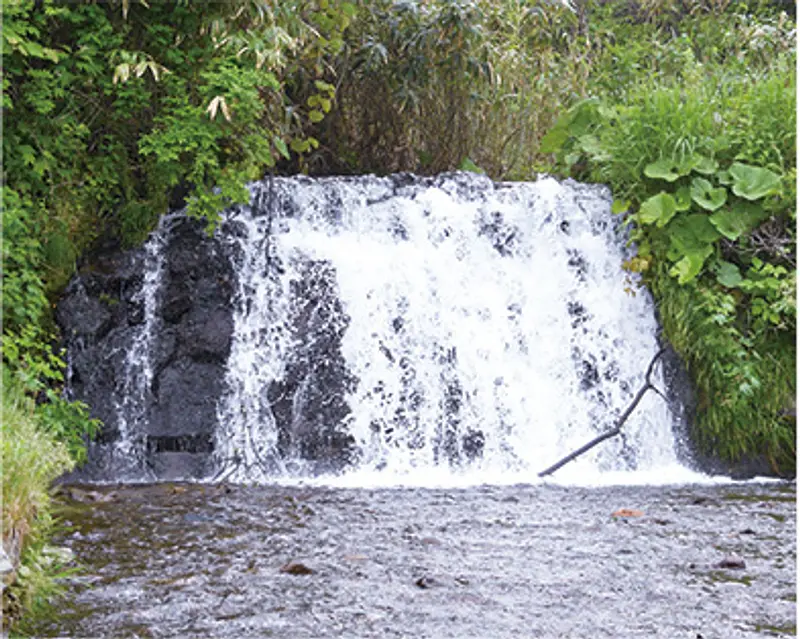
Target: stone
[
  {"x": 296, "y": 568},
  {"x": 732, "y": 561},
  {"x": 426, "y": 582}
]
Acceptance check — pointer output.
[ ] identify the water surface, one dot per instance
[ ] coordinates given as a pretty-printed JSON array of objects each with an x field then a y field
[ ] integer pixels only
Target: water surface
[{"x": 182, "y": 560}]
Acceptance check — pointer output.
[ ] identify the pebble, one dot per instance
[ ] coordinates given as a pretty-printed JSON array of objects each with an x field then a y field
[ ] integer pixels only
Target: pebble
[
  {"x": 296, "y": 568},
  {"x": 732, "y": 561}
]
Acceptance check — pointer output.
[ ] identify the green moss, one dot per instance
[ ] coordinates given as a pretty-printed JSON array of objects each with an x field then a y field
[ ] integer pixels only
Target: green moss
[
  {"x": 721, "y": 576},
  {"x": 777, "y": 631}
]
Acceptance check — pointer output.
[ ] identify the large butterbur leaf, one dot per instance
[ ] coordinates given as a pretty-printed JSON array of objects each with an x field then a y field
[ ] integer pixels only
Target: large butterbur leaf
[
  {"x": 753, "y": 182},
  {"x": 704, "y": 165},
  {"x": 691, "y": 239},
  {"x": 706, "y": 195},
  {"x": 663, "y": 169},
  {"x": 692, "y": 233},
  {"x": 658, "y": 209},
  {"x": 683, "y": 199},
  {"x": 690, "y": 265},
  {"x": 738, "y": 220},
  {"x": 728, "y": 274}
]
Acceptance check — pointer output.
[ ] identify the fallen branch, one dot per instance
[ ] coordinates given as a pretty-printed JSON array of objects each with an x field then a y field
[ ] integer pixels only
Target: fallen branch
[{"x": 648, "y": 385}]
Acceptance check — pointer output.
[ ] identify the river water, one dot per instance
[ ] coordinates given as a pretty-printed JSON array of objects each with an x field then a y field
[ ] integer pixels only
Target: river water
[{"x": 541, "y": 560}]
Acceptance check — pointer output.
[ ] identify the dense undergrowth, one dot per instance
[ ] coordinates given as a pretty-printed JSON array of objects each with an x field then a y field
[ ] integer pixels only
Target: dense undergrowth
[
  {"x": 31, "y": 459},
  {"x": 115, "y": 111}
]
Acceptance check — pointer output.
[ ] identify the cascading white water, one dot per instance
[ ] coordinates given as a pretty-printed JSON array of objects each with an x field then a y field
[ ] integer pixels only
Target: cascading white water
[
  {"x": 490, "y": 328},
  {"x": 135, "y": 392}
]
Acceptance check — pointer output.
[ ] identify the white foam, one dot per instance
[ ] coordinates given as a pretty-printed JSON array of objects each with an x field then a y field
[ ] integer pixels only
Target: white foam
[{"x": 473, "y": 312}]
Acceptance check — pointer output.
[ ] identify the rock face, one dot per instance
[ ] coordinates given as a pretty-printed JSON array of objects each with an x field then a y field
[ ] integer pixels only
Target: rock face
[{"x": 161, "y": 344}]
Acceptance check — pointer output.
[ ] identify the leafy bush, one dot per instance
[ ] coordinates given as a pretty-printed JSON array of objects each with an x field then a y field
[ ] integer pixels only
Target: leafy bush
[{"x": 701, "y": 157}]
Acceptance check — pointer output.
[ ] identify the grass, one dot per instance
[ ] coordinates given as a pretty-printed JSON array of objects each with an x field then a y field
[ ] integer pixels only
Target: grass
[{"x": 31, "y": 460}]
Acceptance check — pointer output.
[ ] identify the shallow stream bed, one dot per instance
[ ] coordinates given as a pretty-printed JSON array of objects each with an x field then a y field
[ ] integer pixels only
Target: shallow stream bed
[{"x": 177, "y": 560}]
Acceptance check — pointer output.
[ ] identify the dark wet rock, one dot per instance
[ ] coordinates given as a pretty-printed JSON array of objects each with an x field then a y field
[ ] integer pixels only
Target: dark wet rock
[
  {"x": 308, "y": 402},
  {"x": 296, "y": 568},
  {"x": 747, "y": 531},
  {"x": 733, "y": 561},
  {"x": 502, "y": 236},
  {"x": 426, "y": 581},
  {"x": 102, "y": 316}
]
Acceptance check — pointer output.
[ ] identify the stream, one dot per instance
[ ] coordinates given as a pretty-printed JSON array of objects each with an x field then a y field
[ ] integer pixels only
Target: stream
[{"x": 541, "y": 560}]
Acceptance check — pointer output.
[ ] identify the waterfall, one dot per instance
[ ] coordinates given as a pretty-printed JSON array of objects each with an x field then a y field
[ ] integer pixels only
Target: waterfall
[
  {"x": 134, "y": 386},
  {"x": 445, "y": 325}
]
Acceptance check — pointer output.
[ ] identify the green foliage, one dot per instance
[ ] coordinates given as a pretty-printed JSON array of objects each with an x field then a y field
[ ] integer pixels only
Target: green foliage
[
  {"x": 113, "y": 113},
  {"x": 700, "y": 148},
  {"x": 423, "y": 85},
  {"x": 31, "y": 459}
]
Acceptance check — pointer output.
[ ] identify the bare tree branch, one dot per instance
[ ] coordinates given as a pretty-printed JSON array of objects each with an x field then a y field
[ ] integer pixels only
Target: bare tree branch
[{"x": 648, "y": 385}]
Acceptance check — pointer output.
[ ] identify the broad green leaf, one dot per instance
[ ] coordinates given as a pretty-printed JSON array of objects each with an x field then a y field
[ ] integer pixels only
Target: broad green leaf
[
  {"x": 32, "y": 48},
  {"x": 554, "y": 139},
  {"x": 724, "y": 177},
  {"x": 468, "y": 165},
  {"x": 620, "y": 206},
  {"x": 690, "y": 265},
  {"x": 590, "y": 145},
  {"x": 298, "y": 145},
  {"x": 704, "y": 165},
  {"x": 738, "y": 220},
  {"x": 708, "y": 197},
  {"x": 324, "y": 86},
  {"x": 659, "y": 209},
  {"x": 685, "y": 165},
  {"x": 691, "y": 233},
  {"x": 683, "y": 199},
  {"x": 582, "y": 116},
  {"x": 728, "y": 274},
  {"x": 700, "y": 225},
  {"x": 753, "y": 182},
  {"x": 316, "y": 116},
  {"x": 663, "y": 169},
  {"x": 281, "y": 146}
]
